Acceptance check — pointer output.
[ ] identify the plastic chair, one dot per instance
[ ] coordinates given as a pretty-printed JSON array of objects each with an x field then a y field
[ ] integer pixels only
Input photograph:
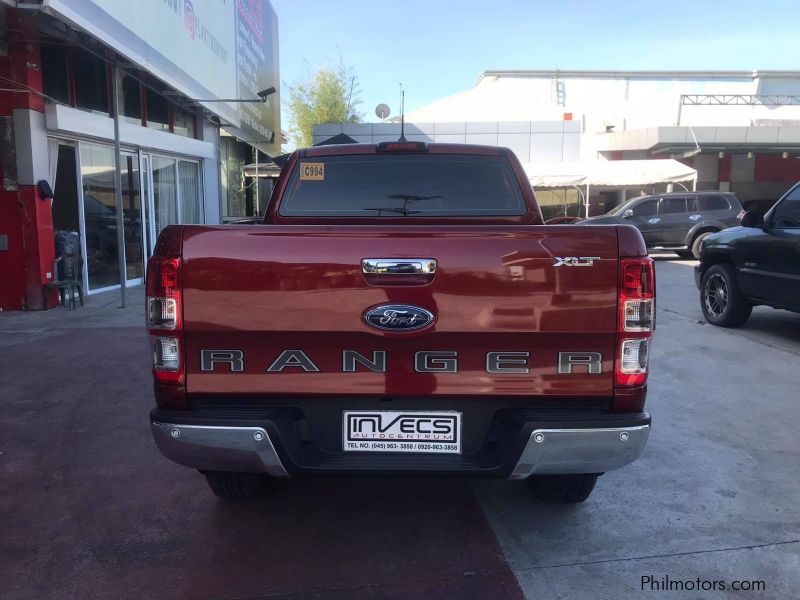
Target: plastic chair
[{"x": 68, "y": 269}]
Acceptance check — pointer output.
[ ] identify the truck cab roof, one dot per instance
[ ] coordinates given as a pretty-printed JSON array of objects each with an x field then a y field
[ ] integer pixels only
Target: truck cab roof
[{"x": 430, "y": 148}]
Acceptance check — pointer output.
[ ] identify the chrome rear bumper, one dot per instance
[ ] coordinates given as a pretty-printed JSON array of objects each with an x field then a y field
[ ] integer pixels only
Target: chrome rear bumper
[
  {"x": 563, "y": 451},
  {"x": 547, "y": 451},
  {"x": 214, "y": 448}
]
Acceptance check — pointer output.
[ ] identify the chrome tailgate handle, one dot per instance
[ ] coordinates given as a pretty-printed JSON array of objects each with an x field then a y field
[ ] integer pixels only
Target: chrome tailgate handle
[{"x": 398, "y": 266}]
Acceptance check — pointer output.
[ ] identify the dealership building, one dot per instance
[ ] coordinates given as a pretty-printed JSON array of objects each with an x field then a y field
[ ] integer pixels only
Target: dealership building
[
  {"x": 733, "y": 131},
  {"x": 192, "y": 81}
]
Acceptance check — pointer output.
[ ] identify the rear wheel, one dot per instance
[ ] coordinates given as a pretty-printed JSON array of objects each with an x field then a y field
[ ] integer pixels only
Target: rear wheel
[
  {"x": 562, "y": 489},
  {"x": 237, "y": 487},
  {"x": 685, "y": 254},
  {"x": 699, "y": 240},
  {"x": 720, "y": 298}
]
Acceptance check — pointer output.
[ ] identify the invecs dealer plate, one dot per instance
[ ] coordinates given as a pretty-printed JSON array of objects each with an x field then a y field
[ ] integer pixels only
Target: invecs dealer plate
[{"x": 431, "y": 432}]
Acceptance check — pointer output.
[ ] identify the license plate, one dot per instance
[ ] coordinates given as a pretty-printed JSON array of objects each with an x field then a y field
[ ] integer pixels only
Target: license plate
[{"x": 430, "y": 432}]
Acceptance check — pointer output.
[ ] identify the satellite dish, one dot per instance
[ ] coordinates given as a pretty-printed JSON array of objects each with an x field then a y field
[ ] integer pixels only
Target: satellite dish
[{"x": 382, "y": 110}]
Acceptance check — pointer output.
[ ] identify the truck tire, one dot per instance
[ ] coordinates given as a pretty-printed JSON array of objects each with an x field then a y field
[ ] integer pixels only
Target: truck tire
[
  {"x": 237, "y": 487},
  {"x": 699, "y": 240},
  {"x": 562, "y": 489},
  {"x": 721, "y": 300}
]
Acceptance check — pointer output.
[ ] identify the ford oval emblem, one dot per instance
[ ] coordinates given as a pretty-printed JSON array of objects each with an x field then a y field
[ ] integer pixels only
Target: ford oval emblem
[{"x": 398, "y": 317}]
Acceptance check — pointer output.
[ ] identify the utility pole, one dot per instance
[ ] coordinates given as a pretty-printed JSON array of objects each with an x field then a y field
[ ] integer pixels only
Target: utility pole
[{"x": 123, "y": 275}]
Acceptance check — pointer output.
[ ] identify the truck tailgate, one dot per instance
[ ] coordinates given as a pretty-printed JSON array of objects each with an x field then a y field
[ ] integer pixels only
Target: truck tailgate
[{"x": 265, "y": 289}]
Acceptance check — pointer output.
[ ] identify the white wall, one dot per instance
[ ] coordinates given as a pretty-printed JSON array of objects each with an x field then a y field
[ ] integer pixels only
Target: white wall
[
  {"x": 625, "y": 102},
  {"x": 550, "y": 141}
]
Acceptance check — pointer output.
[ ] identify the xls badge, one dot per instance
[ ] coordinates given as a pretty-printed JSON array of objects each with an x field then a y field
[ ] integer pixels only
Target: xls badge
[
  {"x": 574, "y": 261},
  {"x": 398, "y": 317}
]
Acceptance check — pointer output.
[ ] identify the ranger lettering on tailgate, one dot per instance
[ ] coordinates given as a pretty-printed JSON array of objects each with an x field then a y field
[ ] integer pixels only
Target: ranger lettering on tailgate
[{"x": 496, "y": 362}]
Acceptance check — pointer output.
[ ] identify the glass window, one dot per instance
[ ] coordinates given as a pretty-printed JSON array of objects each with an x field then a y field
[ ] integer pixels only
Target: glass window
[
  {"x": 99, "y": 214},
  {"x": 672, "y": 206},
  {"x": 165, "y": 192},
  {"x": 714, "y": 202},
  {"x": 66, "y": 214},
  {"x": 404, "y": 185},
  {"x": 131, "y": 100},
  {"x": 189, "y": 179},
  {"x": 645, "y": 209},
  {"x": 132, "y": 217},
  {"x": 794, "y": 194},
  {"x": 55, "y": 77},
  {"x": 237, "y": 193},
  {"x": 91, "y": 82},
  {"x": 183, "y": 122},
  {"x": 157, "y": 111},
  {"x": 787, "y": 213}
]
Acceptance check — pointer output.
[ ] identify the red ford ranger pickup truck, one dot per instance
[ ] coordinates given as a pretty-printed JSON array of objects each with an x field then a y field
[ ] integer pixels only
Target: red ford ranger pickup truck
[{"x": 402, "y": 310}]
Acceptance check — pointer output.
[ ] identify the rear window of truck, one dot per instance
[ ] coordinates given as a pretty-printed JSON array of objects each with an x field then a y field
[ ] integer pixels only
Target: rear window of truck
[{"x": 383, "y": 185}]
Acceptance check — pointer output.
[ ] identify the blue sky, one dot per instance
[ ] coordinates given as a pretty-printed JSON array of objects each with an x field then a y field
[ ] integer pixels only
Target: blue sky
[{"x": 439, "y": 47}]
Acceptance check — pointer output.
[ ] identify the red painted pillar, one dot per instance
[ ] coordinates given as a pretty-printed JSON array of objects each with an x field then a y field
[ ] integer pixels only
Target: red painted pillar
[
  {"x": 26, "y": 220},
  {"x": 725, "y": 173}
]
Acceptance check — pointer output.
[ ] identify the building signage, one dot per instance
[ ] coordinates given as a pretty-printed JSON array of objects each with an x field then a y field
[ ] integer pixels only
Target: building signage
[
  {"x": 206, "y": 50},
  {"x": 257, "y": 69}
]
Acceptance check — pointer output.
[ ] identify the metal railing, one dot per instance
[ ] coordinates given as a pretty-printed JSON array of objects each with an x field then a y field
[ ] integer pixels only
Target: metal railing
[{"x": 736, "y": 100}]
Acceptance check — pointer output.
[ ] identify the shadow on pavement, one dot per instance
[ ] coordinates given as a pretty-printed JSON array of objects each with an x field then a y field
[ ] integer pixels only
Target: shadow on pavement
[
  {"x": 91, "y": 509},
  {"x": 779, "y": 323}
]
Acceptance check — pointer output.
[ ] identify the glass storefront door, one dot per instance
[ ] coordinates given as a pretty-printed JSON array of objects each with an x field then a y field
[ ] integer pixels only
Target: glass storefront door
[
  {"x": 156, "y": 191},
  {"x": 191, "y": 209},
  {"x": 100, "y": 218},
  {"x": 99, "y": 215},
  {"x": 132, "y": 216},
  {"x": 165, "y": 192},
  {"x": 172, "y": 192}
]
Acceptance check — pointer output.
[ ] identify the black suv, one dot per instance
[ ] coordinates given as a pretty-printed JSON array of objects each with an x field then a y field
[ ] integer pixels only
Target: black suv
[
  {"x": 678, "y": 221},
  {"x": 757, "y": 263}
]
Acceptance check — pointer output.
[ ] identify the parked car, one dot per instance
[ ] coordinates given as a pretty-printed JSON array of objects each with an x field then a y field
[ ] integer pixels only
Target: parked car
[
  {"x": 757, "y": 263},
  {"x": 677, "y": 221},
  {"x": 478, "y": 342}
]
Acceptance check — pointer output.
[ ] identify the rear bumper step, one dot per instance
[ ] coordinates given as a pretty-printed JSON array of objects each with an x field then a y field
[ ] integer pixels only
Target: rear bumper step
[
  {"x": 218, "y": 448},
  {"x": 562, "y": 451},
  {"x": 589, "y": 447}
]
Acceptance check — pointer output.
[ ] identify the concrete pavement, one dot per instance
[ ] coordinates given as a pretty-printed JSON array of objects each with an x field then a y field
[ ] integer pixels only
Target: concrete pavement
[
  {"x": 713, "y": 495},
  {"x": 90, "y": 509}
]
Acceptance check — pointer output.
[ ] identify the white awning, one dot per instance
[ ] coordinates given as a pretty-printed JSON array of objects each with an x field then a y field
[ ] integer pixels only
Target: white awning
[
  {"x": 613, "y": 173},
  {"x": 270, "y": 170}
]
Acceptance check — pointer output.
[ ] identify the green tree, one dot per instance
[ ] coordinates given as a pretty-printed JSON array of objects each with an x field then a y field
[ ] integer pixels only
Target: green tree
[{"x": 330, "y": 96}]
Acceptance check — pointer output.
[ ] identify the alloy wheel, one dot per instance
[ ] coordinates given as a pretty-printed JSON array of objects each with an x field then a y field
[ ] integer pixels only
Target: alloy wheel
[{"x": 716, "y": 295}]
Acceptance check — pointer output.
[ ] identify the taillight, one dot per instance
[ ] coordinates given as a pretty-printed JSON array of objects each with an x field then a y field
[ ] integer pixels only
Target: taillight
[
  {"x": 163, "y": 292},
  {"x": 633, "y": 362},
  {"x": 636, "y": 320},
  {"x": 636, "y": 295},
  {"x": 164, "y": 318}
]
